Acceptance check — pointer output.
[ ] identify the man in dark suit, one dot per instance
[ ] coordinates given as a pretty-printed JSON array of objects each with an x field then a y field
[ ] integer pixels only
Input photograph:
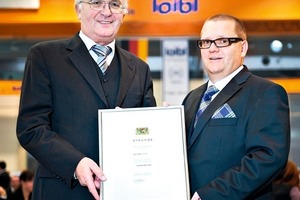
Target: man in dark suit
[
  {"x": 240, "y": 142},
  {"x": 4, "y": 179},
  {"x": 62, "y": 90}
]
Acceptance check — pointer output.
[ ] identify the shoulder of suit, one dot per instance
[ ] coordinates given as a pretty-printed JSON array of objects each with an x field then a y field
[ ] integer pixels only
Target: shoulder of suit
[{"x": 128, "y": 55}]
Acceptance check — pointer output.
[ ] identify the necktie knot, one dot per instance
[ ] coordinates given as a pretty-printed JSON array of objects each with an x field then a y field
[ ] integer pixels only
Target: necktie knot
[
  {"x": 102, "y": 52},
  {"x": 210, "y": 92},
  {"x": 206, "y": 99}
]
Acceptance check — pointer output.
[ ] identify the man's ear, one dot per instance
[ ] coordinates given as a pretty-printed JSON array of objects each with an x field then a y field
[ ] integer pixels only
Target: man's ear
[
  {"x": 123, "y": 18},
  {"x": 244, "y": 48},
  {"x": 78, "y": 11}
]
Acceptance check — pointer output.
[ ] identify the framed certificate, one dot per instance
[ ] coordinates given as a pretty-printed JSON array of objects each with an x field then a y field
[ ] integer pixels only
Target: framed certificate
[{"x": 143, "y": 154}]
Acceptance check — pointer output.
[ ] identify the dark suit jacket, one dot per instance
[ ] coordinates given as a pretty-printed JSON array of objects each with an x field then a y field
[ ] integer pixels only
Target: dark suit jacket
[
  {"x": 58, "y": 116},
  {"x": 5, "y": 180},
  {"x": 236, "y": 158},
  {"x": 18, "y": 195}
]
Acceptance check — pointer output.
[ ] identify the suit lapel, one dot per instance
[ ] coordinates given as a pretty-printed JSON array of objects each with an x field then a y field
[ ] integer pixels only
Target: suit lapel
[
  {"x": 227, "y": 92},
  {"x": 127, "y": 75},
  {"x": 82, "y": 60},
  {"x": 193, "y": 105}
]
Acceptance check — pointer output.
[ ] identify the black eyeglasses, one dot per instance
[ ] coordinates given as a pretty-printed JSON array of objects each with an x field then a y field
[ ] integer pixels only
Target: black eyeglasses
[
  {"x": 220, "y": 42},
  {"x": 115, "y": 6}
]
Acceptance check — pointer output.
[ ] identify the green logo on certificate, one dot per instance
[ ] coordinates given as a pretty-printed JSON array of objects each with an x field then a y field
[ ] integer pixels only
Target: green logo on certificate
[{"x": 142, "y": 131}]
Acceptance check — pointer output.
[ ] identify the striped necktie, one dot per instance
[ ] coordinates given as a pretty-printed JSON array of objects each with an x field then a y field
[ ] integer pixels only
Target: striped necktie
[
  {"x": 206, "y": 99},
  {"x": 102, "y": 52}
]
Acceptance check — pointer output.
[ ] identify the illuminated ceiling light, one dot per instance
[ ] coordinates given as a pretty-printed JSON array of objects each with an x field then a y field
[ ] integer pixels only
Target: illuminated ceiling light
[
  {"x": 276, "y": 46},
  {"x": 289, "y": 45}
]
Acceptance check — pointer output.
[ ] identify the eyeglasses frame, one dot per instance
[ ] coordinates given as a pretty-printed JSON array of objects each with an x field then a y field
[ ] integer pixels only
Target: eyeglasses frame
[
  {"x": 122, "y": 8},
  {"x": 230, "y": 40}
]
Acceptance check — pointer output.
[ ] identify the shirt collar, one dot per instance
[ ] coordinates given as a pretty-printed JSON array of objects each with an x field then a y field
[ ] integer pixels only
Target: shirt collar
[
  {"x": 89, "y": 43},
  {"x": 222, "y": 83}
]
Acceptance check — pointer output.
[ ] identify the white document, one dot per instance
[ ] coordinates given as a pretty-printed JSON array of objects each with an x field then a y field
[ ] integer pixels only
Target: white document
[{"x": 143, "y": 154}]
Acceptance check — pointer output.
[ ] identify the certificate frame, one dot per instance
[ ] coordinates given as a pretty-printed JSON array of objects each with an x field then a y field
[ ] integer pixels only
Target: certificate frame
[{"x": 142, "y": 152}]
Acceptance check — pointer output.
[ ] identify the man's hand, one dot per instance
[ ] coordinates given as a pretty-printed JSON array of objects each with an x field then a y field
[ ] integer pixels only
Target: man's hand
[
  {"x": 90, "y": 175},
  {"x": 165, "y": 104},
  {"x": 3, "y": 194}
]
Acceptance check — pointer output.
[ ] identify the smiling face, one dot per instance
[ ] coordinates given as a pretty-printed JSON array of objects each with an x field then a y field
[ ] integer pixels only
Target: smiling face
[
  {"x": 220, "y": 62},
  {"x": 101, "y": 26}
]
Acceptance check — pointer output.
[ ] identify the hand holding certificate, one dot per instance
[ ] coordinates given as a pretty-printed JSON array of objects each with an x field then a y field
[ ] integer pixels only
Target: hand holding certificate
[{"x": 143, "y": 154}]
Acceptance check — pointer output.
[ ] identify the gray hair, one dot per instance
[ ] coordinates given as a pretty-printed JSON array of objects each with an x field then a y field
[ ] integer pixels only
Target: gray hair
[{"x": 124, "y": 2}]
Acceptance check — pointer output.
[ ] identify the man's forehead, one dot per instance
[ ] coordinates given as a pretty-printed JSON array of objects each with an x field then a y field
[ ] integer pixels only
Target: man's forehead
[{"x": 218, "y": 28}]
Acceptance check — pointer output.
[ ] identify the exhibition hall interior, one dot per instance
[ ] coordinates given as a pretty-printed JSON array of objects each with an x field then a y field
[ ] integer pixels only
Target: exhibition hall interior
[{"x": 273, "y": 36}]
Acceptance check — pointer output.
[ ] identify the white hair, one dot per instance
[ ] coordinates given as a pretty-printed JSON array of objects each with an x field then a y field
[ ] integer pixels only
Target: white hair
[{"x": 124, "y": 2}]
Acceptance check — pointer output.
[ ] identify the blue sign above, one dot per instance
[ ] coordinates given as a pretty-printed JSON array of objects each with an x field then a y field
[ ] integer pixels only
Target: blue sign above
[{"x": 181, "y": 6}]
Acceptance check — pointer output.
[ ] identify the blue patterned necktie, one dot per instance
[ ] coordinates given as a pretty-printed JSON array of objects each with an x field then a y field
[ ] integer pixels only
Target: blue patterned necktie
[
  {"x": 102, "y": 52},
  {"x": 206, "y": 99}
]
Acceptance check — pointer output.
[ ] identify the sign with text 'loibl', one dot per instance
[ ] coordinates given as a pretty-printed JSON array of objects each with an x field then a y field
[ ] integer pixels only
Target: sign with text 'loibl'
[
  {"x": 180, "y": 6},
  {"x": 175, "y": 70},
  {"x": 164, "y": 10}
]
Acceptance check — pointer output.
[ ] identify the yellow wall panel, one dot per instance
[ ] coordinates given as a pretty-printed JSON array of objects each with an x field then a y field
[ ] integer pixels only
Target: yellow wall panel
[
  {"x": 10, "y": 87},
  {"x": 153, "y": 17},
  {"x": 291, "y": 85}
]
